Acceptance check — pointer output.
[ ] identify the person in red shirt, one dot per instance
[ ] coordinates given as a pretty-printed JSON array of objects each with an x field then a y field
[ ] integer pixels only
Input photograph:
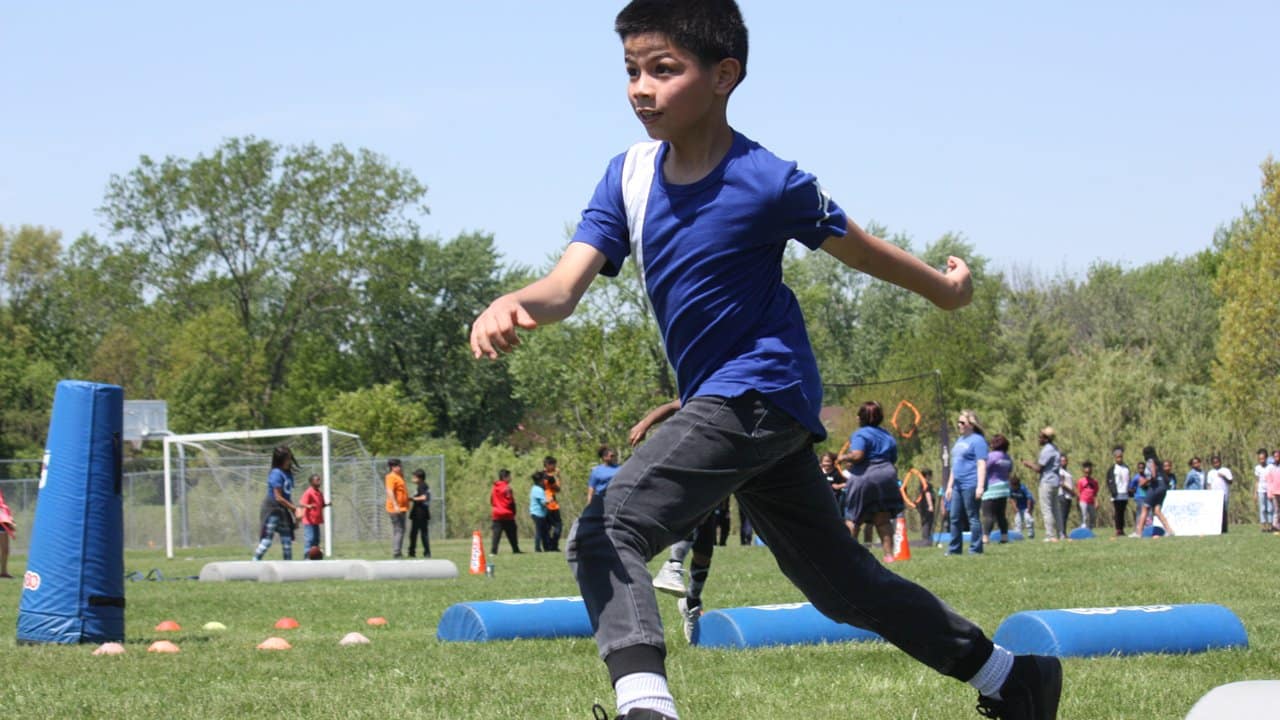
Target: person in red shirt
[
  {"x": 1087, "y": 489},
  {"x": 313, "y": 505},
  {"x": 503, "y": 502}
]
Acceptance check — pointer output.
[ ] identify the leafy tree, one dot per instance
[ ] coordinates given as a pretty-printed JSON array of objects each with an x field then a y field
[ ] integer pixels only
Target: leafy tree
[
  {"x": 1247, "y": 372},
  {"x": 423, "y": 295},
  {"x": 386, "y": 421},
  {"x": 269, "y": 233}
]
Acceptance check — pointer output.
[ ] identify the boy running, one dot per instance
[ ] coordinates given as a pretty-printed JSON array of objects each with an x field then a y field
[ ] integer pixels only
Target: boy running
[{"x": 707, "y": 213}]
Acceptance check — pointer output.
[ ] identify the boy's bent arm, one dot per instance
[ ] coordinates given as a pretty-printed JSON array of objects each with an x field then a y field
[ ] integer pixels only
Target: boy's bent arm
[
  {"x": 549, "y": 299},
  {"x": 863, "y": 251}
]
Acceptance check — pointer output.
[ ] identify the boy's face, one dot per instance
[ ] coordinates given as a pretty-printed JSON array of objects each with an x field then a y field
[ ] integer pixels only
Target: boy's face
[
  {"x": 315, "y": 482},
  {"x": 1088, "y": 470},
  {"x": 1195, "y": 464},
  {"x": 670, "y": 90}
]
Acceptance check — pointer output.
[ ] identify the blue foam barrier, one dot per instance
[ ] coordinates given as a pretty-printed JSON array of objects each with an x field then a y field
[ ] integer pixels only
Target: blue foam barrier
[
  {"x": 1152, "y": 531},
  {"x": 73, "y": 590},
  {"x": 514, "y": 620},
  {"x": 766, "y": 625},
  {"x": 758, "y": 541},
  {"x": 945, "y": 537},
  {"x": 1013, "y": 535},
  {"x": 1088, "y": 632},
  {"x": 1081, "y": 533}
]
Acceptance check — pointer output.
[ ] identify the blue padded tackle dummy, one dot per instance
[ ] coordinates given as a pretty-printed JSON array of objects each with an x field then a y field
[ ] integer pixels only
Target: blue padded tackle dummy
[{"x": 73, "y": 590}]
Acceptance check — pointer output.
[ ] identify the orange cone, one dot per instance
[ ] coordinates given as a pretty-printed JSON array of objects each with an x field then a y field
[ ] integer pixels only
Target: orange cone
[
  {"x": 901, "y": 543},
  {"x": 478, "y": 563}
]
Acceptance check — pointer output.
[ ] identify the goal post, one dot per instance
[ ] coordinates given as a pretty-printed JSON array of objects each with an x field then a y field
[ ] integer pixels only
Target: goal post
[{"x": 247, "y": 462}]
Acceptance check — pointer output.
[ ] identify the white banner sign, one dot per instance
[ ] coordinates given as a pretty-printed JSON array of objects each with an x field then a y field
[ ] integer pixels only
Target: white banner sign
[{"x": 1193, "y": 512}]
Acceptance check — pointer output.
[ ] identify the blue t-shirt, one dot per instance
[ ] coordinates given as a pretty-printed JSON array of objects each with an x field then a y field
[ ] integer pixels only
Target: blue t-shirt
[
  {"x": 876, "y": 444},
  {"x": 537, "y": 501},
  {"x": 710, "y": 255},
  {"x": 601, "y": 476},
  {"x": 280, "y": 479},
  {"x": 965, "y": 454}
]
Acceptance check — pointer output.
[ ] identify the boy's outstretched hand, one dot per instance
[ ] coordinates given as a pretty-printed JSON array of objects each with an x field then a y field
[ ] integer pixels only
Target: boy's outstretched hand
[
  {"x": 495, "y": 330},
  {"x": 961, "y": 282}
]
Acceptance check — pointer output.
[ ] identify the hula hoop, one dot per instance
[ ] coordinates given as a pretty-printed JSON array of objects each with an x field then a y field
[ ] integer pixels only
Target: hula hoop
[{"x": 915, "y": 423}]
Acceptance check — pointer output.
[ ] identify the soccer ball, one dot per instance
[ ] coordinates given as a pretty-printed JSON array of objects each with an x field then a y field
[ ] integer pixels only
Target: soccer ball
[{"x": 315, "y": 553}]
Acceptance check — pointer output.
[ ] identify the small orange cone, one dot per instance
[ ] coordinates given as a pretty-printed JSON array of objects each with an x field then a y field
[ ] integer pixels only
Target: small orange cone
[
  {"x": 286, "y": 623},
  {"x": 478, "y": 563},
  {"x": 901, "y": 543},
  {"x": 162, "y": 646},
  {"x": 376, "y": 621},
  {"x": 275, "y": 643},
  {"x": 168, "y": 626}
]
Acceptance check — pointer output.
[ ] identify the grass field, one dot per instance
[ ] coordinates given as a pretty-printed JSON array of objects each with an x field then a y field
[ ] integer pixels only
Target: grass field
[{"x": 405, "y": 672}]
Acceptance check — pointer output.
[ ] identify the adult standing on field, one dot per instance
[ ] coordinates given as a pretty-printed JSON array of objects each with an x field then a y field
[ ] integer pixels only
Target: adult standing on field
[
  {"x": 1158, "y": 478},
  {"x": 995, "y": 499},
  {"x": 538, "y": 511},
  {"x": 602, "y": 474},
  {"x": 1118, "y": 484},
  {"x": 872, "y": 495},
  {"x": 1047, "y": 465},
  {"x": 967, "y": 482},
  {"x": 397, "y": 504},
  {"x": 1219, "y": 479}
]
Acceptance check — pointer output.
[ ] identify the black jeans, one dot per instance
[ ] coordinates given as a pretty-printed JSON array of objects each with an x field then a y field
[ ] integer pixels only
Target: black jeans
[
  {"x": 713, "y": 447},
  {"x": 993, "y": 514},
  {"x": 508, "y": 527},
  {"x": 419, "y": 526}
]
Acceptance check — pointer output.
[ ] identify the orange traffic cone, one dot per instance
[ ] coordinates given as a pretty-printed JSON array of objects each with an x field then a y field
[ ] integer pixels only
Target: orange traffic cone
[
  {"x": 901, "y": 543},
  {"x": 478, "y": 563}
]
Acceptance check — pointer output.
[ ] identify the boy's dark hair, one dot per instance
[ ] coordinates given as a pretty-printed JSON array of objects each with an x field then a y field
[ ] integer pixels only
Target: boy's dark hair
[
  {"x": 1262, "y": 451},
  {"x": 870, "y": 414},
  {"x": 504, "y": 474},
  {"x": 926, "y": 472},
  {"x": 538, "y": 477},
  {"x": 1087, "y": 464},
  {"x": 710, "y": 29},
  {"x": 1193, "y": 460},
  {"x": 420, "y": 474},
  {"x": 549, "y": 460},
  {"x": 393, "y": 463},
  {"x": 999, "y": 442},
  {"x": 600, "y": 453}
]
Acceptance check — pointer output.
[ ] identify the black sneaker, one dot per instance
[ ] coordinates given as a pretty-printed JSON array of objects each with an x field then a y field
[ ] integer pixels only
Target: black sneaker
[
  {"x": 600, "y": 713},
  {"x": 1030, "y": 692}
]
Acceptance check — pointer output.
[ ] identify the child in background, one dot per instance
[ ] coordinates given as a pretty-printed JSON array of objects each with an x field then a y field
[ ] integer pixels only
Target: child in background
[
  {"x": 313, "y": 505},
  {"x": 7, "y": 530},
  {"x": 420, "y": 515},
  {"x": 1087, "y": 489},
  {"x": 1023, "y": 504}
]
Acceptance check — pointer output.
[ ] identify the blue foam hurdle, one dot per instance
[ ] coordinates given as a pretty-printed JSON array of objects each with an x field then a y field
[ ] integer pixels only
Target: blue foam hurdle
[
  {"x": 514, "y": 620},
  {"x": 1013, "y": 535},
  {"x": 1088, "y": 632},
  {"x": 765, "y": 625},
  {"x": 1081, "y": 533},
  {"x": 1152, "y": 531},
  {"x": 945, "y": 537},
  {"x": 73, "y": 590}
]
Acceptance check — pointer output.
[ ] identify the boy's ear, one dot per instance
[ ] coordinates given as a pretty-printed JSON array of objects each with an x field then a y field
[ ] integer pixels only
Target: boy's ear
[{"x": 727, "y": 73}]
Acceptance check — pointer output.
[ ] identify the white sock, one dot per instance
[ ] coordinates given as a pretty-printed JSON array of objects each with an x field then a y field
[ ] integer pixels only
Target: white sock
[
  {"x": 645, "y": 690},
  {"x": 993, "y": 673}
]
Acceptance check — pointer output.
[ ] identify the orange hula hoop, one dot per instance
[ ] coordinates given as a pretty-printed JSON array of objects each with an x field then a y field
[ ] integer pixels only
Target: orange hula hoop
[{"x": 915, "y": 422}]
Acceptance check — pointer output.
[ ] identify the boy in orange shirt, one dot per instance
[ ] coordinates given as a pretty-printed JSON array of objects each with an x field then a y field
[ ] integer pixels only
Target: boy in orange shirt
[{"x": 397, "y": 505}]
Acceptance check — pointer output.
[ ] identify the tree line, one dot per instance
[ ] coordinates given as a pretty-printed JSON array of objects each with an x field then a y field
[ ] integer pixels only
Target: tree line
[{"x": 267, "y": 286}]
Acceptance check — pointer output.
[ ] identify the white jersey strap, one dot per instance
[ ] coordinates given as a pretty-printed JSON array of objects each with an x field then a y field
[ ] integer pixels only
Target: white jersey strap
[{"x": 637, "y": 180}]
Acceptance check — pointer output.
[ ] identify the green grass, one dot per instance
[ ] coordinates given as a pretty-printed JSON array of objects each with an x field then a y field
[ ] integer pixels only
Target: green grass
[{"x": 405, "y": 672}]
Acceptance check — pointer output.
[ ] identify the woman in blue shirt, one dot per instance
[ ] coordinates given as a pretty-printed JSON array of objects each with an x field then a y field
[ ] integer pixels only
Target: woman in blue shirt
[
  {"x": 966, "y": 483},
  {"x": 872, "y": 494}
]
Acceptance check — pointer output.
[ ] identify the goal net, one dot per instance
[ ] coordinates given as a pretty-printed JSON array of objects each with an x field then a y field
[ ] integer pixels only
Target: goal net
[
  {"x": 913, "y": 414},
  {"x": 214, "y": 485}
]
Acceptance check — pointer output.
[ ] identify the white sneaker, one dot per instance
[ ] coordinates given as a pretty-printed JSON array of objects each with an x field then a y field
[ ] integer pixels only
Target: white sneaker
[
  {"x": 670, "y": 579},
  {"x": 689, "y": 617}
]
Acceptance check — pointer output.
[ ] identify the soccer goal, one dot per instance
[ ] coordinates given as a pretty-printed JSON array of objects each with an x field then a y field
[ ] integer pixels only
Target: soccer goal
[{"x": 217, "y": 481}]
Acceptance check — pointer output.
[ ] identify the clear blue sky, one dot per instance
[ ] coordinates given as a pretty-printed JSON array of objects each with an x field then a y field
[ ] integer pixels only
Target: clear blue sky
[{"x": 1050, "y": 134}]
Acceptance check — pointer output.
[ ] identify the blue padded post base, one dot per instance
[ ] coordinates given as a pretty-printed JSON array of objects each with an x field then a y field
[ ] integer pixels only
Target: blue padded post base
[
  {"x": 1087, "y": 632},
  {"x": 790, "y": 624},
  {"x": 514, "y": 620}
]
